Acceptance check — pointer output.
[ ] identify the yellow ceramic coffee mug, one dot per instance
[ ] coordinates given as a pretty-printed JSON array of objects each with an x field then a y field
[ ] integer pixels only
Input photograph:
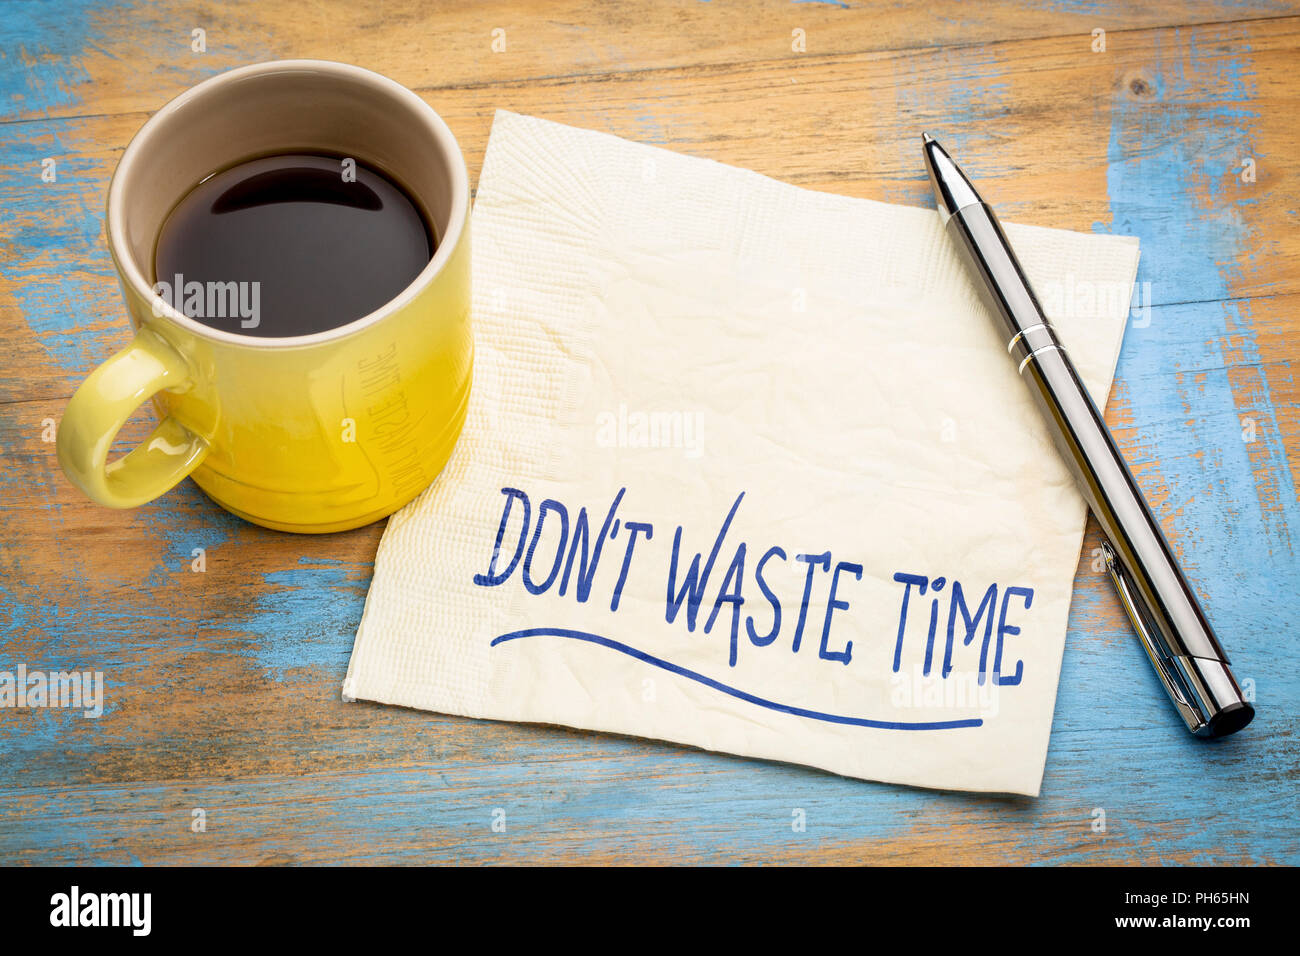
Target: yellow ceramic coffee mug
[{"x": 310, "y": 433}]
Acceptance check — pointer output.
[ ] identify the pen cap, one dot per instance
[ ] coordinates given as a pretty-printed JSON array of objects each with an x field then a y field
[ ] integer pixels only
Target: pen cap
[
  {"x": 1202, "y": 688},
  {"x": 1215, "y": 694}
]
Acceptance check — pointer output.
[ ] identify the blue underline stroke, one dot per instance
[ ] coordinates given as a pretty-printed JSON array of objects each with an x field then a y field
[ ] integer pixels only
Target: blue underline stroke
[{"x": 733, "y": 691}]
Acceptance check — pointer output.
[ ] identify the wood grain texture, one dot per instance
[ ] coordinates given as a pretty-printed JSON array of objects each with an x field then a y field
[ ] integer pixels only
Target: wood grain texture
[{"x": 223, "y": 686}]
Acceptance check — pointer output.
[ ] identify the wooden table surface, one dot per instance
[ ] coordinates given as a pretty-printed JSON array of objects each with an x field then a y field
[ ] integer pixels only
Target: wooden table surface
[{"x": 222, "y": 687}]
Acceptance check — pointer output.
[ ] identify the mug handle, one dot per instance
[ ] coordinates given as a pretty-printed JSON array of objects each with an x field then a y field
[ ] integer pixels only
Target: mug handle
[{"x": 101, "y": 406}]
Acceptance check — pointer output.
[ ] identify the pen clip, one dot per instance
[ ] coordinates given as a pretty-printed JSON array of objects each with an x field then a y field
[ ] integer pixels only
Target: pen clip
[{"x": 1166, "y": 670}]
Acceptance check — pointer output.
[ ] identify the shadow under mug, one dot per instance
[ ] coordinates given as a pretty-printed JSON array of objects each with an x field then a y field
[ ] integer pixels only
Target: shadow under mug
[{"x": 310, "y": 433}]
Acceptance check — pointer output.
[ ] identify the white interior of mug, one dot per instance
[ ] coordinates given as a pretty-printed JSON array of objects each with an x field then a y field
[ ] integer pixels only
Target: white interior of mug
[{"x": 280, "y": 107}]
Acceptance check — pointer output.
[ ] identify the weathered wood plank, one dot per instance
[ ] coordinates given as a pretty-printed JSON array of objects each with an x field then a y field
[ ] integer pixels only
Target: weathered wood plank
[
  {"x": 86, "y": 57},
  {"x": 681, "y": 807}
]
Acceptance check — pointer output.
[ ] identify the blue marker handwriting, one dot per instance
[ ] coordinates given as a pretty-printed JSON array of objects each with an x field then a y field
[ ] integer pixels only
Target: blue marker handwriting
[{"x": 711, "y": 588}]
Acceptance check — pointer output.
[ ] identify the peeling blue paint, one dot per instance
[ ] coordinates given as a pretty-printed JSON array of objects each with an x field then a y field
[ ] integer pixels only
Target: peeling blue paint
[
  {"x": 40, "y": 54},
  {"x": 306, "y": 617},
  {"x": 58, "y": 265},
  {"x": 1170, "y": 182},
  {"x": 962, "y": 111}
]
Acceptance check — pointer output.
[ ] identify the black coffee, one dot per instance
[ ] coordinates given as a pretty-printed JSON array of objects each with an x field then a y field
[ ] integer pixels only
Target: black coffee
[{"x": 290, "y": 245}]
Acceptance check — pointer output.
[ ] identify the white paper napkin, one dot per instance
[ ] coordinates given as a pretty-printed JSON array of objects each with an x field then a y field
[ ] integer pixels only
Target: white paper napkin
[{"x": 665, "y": 343}]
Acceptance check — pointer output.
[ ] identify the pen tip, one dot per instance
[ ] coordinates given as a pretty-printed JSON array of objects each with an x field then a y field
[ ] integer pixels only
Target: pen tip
[{"x": 926, "y": 138}]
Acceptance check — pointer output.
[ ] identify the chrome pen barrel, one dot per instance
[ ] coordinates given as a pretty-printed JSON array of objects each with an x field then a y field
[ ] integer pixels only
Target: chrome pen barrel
[{"x": 1161, "y": 604}]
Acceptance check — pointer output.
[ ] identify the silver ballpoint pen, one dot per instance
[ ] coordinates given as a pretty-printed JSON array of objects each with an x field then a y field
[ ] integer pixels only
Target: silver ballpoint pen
[{"x": 1156, "y": 596}]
